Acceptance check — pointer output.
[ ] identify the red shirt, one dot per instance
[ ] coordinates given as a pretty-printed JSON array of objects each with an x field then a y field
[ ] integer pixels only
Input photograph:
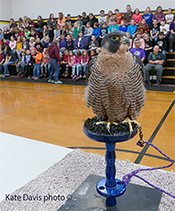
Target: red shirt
[
  {"x": 65, "y": 58},
  {"x": 1, "y": 57},
  {"x": 119, "y": 18},
  {"x": 137, "y": 18}
]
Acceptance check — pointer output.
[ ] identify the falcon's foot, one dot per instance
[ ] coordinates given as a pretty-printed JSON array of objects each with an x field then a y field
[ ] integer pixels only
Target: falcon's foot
[
  {"x": 129, "y": 121},
  {"x": 106, "y": 122}
]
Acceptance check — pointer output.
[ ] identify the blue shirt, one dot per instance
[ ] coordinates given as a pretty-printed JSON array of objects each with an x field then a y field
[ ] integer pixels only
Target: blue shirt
[
  {"x": 148, "y": 18},
  {"x": 132, "y": 29},
  {"x": 113, "y": 28},
  {"x": 123, "y": 29},
  {"x": 96, "y": 32}
]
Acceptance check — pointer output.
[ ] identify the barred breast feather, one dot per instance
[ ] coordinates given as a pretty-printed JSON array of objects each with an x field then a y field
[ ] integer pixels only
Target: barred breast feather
[{"x": 116, "y": 93}]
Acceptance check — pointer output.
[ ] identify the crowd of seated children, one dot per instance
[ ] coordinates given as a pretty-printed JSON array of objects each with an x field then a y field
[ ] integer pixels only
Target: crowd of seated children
[{"x": 80, "y": 39}]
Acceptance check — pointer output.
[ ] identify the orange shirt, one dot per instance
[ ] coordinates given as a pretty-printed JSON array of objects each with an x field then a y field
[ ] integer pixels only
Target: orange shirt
[
  {"x": 60, "y": 22},
  {"x": 38, "y": 58}
]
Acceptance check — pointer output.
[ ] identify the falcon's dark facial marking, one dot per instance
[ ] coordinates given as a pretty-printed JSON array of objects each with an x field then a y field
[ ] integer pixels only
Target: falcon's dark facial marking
[{"x": 113, "y": 40}]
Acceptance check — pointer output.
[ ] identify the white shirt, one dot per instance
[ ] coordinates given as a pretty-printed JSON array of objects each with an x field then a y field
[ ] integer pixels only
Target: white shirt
[
  {"x": 164, "y": 29},
  {"x": 101, "y": 19},
  {"x": 169, "y": 18}
]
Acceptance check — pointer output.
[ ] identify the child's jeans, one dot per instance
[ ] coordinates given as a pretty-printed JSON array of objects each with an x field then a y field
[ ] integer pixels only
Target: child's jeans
[
  {"x": 21, "y": 65},
  {"x": 78, "y": 69},
  {"x": 84, "y": 69},
  {"x": 5, "y": 65},
  {"x": 36, "y": 71}
]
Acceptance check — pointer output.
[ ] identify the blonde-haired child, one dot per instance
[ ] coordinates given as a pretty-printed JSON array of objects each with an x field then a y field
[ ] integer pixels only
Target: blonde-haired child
[
  {"x": 32, "y": 43},
  {"x": 84, "y": 63},
  {"x": 45, "y": 66},
  {"x": 77, "y": 65}
]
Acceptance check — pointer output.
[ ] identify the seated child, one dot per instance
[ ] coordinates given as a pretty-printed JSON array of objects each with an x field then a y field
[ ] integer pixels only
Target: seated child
[
  {"x": 84, "y": 62},
  {"x": 148, "y": 44},
  {"x": 93, "y": 44},
  {"x": 123, "y": 26},
  {"x": 19, "y": 47},
  {"x": 64, "y": 64},
  {"x": 103, "y": 31},
  {"x": 1, "y": 62},
  {"x": 21, "y": 65},
  {"x": 71, "y": 61},
  {"x": 77, "y": 65},
  {"x": 142, "y": 41}
]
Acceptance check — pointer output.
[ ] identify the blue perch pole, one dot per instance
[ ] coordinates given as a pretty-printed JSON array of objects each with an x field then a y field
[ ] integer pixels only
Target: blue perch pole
[{"x": 110, "y": 187}]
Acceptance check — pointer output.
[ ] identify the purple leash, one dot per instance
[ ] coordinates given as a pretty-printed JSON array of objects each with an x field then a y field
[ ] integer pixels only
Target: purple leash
[{"x": 126, "y": 179}]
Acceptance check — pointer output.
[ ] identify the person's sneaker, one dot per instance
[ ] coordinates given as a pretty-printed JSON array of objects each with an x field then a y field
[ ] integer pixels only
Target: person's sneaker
[
  {"x": 29, "y": 77},
  {"x": 33, "y": 78},
  {"x": 22, "y": 75},
  {"x": 19, "y": 73},
  {"x": 36, "y": 78},
  {"x": 6, "y": 75},
  {"x": 84, "y": 76},
  {"x": 149, "y": 84},
  {"x": 171, "y": 50},
  {"x": 58, "y": 82},
  {"x": 1, "y": 75},
  {"x": 73, "y": 77},
  {"x": 157, "y": 84},
  {"x": 80, "y": 76}
]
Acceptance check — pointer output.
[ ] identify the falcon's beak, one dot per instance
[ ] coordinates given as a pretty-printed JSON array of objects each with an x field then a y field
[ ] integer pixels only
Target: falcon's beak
[{"x": 125, "y": 40}]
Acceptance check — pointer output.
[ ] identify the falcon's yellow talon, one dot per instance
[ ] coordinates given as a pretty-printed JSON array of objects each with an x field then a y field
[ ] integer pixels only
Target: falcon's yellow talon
[
  {"x": 129, "y": 121},
  {"x": 107, "y": 123}
]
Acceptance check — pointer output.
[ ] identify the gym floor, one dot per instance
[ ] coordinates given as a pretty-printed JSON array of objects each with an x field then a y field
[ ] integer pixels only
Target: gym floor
[{"x": 55, "y": 113}]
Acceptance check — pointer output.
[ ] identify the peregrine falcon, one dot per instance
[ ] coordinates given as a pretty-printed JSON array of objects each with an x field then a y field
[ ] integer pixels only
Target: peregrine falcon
[{"x": 115, "y": 86}]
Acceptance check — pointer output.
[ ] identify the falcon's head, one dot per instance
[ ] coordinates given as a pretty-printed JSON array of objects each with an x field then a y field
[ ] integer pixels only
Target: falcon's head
[{"x": 115, "y": 40}]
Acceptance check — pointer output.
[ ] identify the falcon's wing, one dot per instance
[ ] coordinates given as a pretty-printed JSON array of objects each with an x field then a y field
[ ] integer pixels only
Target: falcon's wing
[
  {"x": 90, "y": 64},
  {"x": 139, "y": 61},
  {"x": 93, "y": 91}
]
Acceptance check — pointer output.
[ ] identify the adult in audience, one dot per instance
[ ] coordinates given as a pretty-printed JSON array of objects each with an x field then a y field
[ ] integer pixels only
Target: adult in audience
[
  {"x": 9, "y": 59},
  {"x": 156, "y": 60},
  {"x": 54, "y": 58},
  {"x": 6, "y": 33},
  {"x": 51, "y": 21},
  {"x": 159, "y": 15},
  {"x": 39, "y": 24},
  {"x": 61, "y": 19},
  {"x": 128, "y": 15},
  {"x": 172, "y": 35},
  {"x": 138, "y": 51},
  {"x": 12, "y": 23}
]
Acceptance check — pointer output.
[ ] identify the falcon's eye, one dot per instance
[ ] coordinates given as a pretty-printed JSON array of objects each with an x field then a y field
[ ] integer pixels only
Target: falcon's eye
[{"x": 114, "y": 37}]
